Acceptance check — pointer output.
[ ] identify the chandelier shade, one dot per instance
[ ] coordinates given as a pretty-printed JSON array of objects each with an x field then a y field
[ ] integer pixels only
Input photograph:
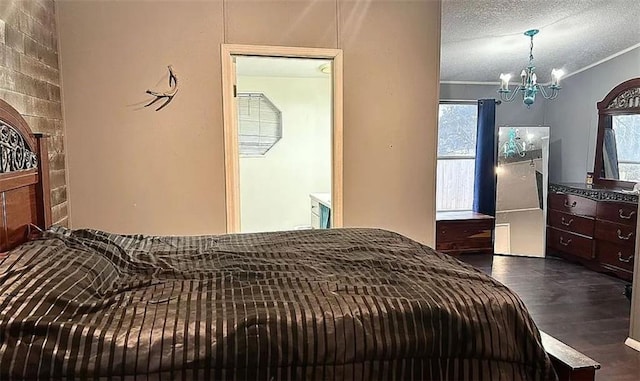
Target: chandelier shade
[{"x": 529, "y": 86}]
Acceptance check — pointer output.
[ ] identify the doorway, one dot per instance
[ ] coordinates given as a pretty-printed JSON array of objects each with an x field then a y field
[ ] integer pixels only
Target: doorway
[{"x": 283, "y": 152}]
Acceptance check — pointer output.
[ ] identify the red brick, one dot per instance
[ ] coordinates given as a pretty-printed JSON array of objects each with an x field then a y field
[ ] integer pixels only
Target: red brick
[
  {"x": 8, "y": 79},
  {"x": 57, "y": 178},
  {"x": 58, "y": 195},
  {"x": 14, "y": 38},
  {"x": 59, "y": 211},
  {"x": 9, "y": 58},
  {"x": 34, "y": 68},
  {"x": 17, "y": 100},
  {"x": 56, "y": 161}
]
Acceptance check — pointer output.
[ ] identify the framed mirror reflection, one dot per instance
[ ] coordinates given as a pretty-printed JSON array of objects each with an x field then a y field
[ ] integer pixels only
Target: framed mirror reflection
[
  {"x": 522, "y": 175},
  {"x": 617, "y": 159}
]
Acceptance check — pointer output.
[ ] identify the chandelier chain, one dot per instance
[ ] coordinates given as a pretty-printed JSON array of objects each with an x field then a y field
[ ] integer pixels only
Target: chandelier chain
[{"x": 531, "y": 50}]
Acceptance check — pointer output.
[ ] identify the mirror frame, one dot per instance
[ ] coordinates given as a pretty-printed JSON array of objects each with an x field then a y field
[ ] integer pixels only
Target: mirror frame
[{"x": 615, "y": 103}]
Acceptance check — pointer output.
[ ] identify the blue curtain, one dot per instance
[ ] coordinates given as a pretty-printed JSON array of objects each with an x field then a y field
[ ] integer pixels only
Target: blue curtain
[{"x": 484, "y": 185}]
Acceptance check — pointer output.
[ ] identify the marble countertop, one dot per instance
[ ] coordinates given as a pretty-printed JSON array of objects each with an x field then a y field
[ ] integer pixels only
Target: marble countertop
[{"x": 595, "y": 192}]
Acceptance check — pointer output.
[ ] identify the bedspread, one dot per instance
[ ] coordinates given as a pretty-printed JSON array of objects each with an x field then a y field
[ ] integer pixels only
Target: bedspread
[{"x": 337, "y": 304}]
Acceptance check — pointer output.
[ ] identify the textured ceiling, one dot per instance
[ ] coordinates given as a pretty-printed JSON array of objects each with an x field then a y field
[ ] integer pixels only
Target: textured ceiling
[{"x": 481, "y": 38}]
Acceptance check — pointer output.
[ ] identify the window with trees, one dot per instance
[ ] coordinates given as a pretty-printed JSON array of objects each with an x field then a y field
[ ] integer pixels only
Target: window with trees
[
  {"x": 457, "y": 129},
  {"x": 627, "y": 130}
]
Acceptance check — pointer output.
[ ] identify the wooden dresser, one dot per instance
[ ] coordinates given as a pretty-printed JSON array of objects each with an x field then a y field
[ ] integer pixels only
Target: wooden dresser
[
  {"x": 464, "y": 232},
  {"x": 596, "y": 227}
]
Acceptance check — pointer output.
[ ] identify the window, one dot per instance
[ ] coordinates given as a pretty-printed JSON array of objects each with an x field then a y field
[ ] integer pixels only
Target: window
[
  {"x": 259, "y": 124},
  {"x": 457, "y": 129},
  {"x": 627, "y": 131}
]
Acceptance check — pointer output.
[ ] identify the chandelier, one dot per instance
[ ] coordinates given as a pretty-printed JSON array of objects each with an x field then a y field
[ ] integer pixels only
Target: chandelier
[
  {"x": 529, "y": 85},
  {"x": 513, "y": 147}
]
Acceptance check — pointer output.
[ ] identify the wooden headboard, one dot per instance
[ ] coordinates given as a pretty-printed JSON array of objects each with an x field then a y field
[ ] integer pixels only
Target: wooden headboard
[{"x": 24, "y": 179}]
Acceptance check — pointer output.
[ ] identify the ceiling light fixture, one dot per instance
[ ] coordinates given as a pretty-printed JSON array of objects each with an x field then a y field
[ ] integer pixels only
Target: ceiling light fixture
[
  {"x": 529, "y": 85},
  {"x": 325, "y": 68}
]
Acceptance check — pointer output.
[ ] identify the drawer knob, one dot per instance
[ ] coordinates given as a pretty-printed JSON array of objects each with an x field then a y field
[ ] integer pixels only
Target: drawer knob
[
  {"x": 624, "y": 237},
  {"x": 572, "y": 205},
  {"x": 627, "y": 216},
  {"x": 565, "y": 243},
  {"x": 566, "y": 223},
  {"x": 625, "y": 260}
]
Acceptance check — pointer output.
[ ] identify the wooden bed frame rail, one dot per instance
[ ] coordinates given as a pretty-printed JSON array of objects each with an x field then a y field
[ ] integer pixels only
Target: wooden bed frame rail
[{"x": 570, "y": 365}]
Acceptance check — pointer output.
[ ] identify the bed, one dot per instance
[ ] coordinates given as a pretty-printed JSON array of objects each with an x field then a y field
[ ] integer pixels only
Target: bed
[{"x": 337, "y": 304}]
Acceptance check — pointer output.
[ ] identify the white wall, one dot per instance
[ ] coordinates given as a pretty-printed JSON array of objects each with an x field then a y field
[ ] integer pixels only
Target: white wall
[
  {"x": 573, "y": 116},
  {"x": 274, "y": 189}
]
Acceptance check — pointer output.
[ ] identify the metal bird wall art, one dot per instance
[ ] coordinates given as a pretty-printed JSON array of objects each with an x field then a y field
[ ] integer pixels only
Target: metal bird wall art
[{"x": 167, "y": 96}]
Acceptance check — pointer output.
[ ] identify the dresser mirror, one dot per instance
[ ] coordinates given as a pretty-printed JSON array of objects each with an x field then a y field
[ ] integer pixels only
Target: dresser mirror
[
  {"x": 521, "y": 190},
  {"x": 617, "y": 159}
]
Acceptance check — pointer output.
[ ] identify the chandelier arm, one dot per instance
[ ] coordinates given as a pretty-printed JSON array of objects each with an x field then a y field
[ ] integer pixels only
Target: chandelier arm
[
  {"x": 511, "y": 95},
  {"x": 550, "y": 96}
]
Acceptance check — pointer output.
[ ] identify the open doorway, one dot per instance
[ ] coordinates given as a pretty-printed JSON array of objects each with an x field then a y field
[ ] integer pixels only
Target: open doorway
[
  {"x": 283, "y": 137},
  {"x": 284, "y": 143}
]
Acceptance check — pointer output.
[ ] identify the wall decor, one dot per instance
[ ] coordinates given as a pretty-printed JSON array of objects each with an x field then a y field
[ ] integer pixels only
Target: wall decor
[{"x": 167, "y": 95}]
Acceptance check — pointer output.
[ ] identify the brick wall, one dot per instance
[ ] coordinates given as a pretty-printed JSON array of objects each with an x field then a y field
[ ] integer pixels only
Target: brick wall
[{"x": 30, "y": 81}]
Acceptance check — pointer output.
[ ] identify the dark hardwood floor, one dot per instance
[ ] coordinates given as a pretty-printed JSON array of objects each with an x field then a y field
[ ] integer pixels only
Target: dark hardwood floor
[{"x": 584, "y": 309}]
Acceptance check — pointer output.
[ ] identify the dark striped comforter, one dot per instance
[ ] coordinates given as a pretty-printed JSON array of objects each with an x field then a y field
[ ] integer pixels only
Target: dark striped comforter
[{"x": 344, "y": 304}]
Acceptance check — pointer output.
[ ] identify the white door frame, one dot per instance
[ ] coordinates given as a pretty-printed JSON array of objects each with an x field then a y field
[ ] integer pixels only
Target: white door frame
[{"x": 231, "y": 157}]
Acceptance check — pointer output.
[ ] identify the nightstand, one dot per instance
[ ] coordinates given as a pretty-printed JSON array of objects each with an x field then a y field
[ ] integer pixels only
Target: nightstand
[{"x": 462, "y": 232}]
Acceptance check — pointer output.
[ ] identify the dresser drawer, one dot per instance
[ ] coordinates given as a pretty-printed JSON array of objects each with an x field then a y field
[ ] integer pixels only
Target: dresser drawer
[
  {"x": 571, "y": 222},
  {"x": 616, "y": 233},
  {"x": 620, "y": 212},
  {"x": 570, "y": 243},
  {"x": 456, "y": 230},
  {"x": 615, "y": 255},
  {"x": 573, "y": 204}
]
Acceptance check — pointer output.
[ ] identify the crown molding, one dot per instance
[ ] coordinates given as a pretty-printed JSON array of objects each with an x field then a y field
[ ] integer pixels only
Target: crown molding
[
  {"x": 497, "y": 83},
  {"x": 603, "y": 60}
]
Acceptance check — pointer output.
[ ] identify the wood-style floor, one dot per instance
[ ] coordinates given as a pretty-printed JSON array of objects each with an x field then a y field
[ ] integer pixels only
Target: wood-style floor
[{"x": 582, "y": 308}]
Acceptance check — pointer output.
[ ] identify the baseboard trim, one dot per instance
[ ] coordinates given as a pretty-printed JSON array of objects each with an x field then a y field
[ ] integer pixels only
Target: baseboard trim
[{"x": 634, "y": 344}]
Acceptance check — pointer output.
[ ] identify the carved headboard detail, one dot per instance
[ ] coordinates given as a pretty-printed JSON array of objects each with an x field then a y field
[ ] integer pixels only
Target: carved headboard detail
[
  {"x": 15, "y": 153},
  {"x": 24, "y": 179}
]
